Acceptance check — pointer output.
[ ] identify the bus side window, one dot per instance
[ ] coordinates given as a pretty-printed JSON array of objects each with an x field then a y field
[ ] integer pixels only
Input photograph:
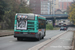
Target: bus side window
[{"x": 41, "y": 24}]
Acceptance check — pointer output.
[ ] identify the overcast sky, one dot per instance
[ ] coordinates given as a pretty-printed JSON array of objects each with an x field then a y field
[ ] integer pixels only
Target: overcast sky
[{"x": 65, "y": 0}]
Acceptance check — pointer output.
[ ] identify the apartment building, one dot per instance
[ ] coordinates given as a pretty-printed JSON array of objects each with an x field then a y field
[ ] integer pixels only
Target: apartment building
[
  {"x": 35, "y": 5},
  {"x": 63, "y": 4}
]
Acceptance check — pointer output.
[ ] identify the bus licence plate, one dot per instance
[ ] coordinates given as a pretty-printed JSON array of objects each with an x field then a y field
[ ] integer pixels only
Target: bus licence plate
[{"x": 24, "y": 33}]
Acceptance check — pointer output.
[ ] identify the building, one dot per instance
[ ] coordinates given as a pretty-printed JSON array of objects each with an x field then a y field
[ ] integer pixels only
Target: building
[
  {"x": 57, "y": 4},
  {"x": 40, "y": 6},
  {"x": 58, "y": 11},
  {"x": 60, "y": 4},
  {"x": 64, "y": 4},
  {"x": 54, "y": 5},
  {"x": 74, "y": 0},
  {"x": 45, "y": 7},
  {"x": 35, "y": 5}
]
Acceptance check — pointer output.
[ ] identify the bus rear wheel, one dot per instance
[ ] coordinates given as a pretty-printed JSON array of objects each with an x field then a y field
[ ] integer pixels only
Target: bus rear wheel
[
  {"x": 43, "y": 37},
  {"x": 39, "y": 38}
]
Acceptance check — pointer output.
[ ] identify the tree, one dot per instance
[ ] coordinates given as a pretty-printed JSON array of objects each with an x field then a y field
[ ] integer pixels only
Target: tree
[
  {"x": 72, "y": 12},
  {"x": 2, "y": 9},
  {"x": 11, "y": 8}
]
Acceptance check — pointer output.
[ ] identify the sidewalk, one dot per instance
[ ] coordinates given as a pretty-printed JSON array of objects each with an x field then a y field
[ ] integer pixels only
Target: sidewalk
[
  {"x": 62, "y": 43},
  {"x": 6, "y": 33}
]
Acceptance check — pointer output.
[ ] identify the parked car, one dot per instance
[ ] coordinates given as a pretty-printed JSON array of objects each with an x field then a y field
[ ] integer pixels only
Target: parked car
[{"x": 63, "y": 28}]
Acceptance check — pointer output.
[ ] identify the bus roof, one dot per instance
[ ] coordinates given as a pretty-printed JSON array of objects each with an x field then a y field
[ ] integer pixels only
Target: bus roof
[{"x": 29, "y": 14}]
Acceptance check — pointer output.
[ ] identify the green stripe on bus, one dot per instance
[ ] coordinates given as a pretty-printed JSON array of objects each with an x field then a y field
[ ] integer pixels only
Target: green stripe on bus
[{"x": 42, "y": 18}]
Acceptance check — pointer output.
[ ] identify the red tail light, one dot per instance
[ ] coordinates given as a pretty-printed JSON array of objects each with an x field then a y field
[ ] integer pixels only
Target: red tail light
[
  {"x": 65, "y": 28},
  {"x": 17, "y": 32},
  {"x": 32, "y": 33}
]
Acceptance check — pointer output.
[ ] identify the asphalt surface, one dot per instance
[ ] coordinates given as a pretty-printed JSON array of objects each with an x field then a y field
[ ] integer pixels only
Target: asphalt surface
[
  {"x": 11, "y": 43},
  {"x": 62, "y": 43}
]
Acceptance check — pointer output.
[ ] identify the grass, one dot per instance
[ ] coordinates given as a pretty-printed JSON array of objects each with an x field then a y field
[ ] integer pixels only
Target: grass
[
  {"x": 50, "y": 27},
  {"x": 56, "y": 28}
]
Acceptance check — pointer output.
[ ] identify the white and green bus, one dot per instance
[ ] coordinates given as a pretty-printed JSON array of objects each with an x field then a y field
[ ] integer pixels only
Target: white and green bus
[{"x": 29, "y": 26}]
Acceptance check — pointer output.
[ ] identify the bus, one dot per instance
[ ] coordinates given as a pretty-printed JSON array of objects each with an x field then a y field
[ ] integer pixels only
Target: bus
[{"x": 29, "y": 26}]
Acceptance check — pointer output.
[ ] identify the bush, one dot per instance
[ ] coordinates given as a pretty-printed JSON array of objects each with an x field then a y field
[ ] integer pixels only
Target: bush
[{"x": 49, "y": 27}]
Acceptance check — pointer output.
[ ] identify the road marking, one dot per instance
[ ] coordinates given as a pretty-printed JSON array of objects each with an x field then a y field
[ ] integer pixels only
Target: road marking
[{"x": 64, "y": 39}]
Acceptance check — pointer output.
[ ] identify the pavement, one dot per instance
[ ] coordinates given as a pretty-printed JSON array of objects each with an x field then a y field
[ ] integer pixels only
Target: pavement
[
  {"x": 6, "y": 33},
  {"x": 61, "y": 43}
]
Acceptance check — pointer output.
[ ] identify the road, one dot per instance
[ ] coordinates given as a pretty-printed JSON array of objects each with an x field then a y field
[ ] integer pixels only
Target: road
[
  {"x": 61, "y": 43},
  {"x": 11, "y": 43}
]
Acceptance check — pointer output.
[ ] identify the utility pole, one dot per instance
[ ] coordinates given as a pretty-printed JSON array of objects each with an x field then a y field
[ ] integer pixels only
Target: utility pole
[
  {"x": 50, "y": 7},
  {"x": 53, "y": 11},
  {"x": 53, "y": 6}
]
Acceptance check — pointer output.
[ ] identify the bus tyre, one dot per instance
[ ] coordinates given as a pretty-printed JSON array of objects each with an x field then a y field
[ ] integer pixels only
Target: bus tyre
[
  {"x": 44, "y": 34},
  {"x": 43, "y": 37},
  {"x": 39, "y": 38},
  {"x": 19, "y": 39}
]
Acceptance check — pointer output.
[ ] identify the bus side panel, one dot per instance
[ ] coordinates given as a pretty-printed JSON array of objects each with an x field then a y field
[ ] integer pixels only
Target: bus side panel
[{"x": 42, "y": 27}]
